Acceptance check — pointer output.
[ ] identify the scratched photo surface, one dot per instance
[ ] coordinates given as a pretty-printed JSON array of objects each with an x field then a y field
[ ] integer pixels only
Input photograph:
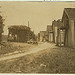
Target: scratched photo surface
[{"x": 37, "y": 37}]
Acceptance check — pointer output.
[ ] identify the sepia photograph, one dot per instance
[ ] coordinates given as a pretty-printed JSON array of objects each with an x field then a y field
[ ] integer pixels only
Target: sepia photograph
[{"x": 37, "y": 37}]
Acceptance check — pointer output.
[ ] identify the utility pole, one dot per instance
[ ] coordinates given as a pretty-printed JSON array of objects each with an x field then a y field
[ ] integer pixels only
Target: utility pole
[
  {"x": 28, "y": 23},
  {"x": 28, "y": 32}
]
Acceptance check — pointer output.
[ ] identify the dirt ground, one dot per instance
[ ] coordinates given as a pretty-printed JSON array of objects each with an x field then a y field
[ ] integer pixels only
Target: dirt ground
[
  {"x": 50, "y": 60},
  {"x": 13, "y": 47}
]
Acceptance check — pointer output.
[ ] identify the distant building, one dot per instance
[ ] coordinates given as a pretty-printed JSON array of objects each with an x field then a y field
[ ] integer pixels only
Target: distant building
[
  {"x": 50, "y": 33},
  {"x": 61, "y": 36},
  {"x": 38, "y": 36},
  {"x": 43, "y": 36},
  {"x": 58, "y": 32},
  {"x": 49, "y": 28},
  {"x": 20, "y": 33},
  {"x": 54, "y": 27},
  {"x": 68, "y": 19},
  {"x": 46, "y": 36}
]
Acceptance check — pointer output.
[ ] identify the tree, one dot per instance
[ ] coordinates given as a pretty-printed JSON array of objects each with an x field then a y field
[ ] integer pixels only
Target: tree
[{"x": 1, "y": 27}]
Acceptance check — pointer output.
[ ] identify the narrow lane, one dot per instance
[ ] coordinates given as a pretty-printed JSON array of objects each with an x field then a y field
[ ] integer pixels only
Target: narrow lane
[{"x": 40, "y": 47}]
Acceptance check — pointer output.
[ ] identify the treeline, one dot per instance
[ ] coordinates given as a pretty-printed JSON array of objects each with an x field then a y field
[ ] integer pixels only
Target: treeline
[{"x": 1, "y": 27}]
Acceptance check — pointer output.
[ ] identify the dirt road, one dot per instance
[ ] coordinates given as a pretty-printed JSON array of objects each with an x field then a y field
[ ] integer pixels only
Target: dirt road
[
  {"x": 44, "y": 58},
  {"x": 39, "y": 47}
]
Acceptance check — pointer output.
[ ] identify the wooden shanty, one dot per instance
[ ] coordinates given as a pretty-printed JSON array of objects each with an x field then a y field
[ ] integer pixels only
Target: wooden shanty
[
  {"x": 20, "y": 33},
  {"x": 55, "y": 26},
  {"x": 61, "y": 36},
  {"x": 50, "y": 33},
  {"x": 68, "y": 19}
]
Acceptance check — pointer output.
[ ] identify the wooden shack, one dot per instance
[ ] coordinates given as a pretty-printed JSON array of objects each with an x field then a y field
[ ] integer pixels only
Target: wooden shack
[
  {"x": 68, "y": 19},
  {"x": 50, "y": 33},
  {"x": 61, "y": 36}
]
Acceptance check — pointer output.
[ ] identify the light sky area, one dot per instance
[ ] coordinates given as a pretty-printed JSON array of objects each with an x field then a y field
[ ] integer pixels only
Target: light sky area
[{"x": 39, "y": 14}]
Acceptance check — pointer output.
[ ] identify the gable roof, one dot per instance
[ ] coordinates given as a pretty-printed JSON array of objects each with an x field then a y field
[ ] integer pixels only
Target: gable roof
[{"x": 70, "y": 12}]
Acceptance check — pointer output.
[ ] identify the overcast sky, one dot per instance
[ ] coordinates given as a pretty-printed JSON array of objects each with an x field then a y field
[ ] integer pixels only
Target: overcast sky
[{"x": 39, "y": 14}]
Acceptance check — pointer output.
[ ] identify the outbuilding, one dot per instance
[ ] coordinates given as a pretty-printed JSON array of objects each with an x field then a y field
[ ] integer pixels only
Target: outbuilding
[{"x": 68, "y": 19}]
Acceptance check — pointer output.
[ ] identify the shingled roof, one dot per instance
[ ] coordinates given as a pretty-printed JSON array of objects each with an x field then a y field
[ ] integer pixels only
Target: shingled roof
[{"x": 70, "y": 12}]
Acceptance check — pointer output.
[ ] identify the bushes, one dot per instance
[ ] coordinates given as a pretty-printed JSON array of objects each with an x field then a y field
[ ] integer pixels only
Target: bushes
[{"x": 1, "y": 27}]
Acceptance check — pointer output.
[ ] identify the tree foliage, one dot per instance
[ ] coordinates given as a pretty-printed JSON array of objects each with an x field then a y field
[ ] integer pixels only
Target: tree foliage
[{"x": 1, "y": 27}]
